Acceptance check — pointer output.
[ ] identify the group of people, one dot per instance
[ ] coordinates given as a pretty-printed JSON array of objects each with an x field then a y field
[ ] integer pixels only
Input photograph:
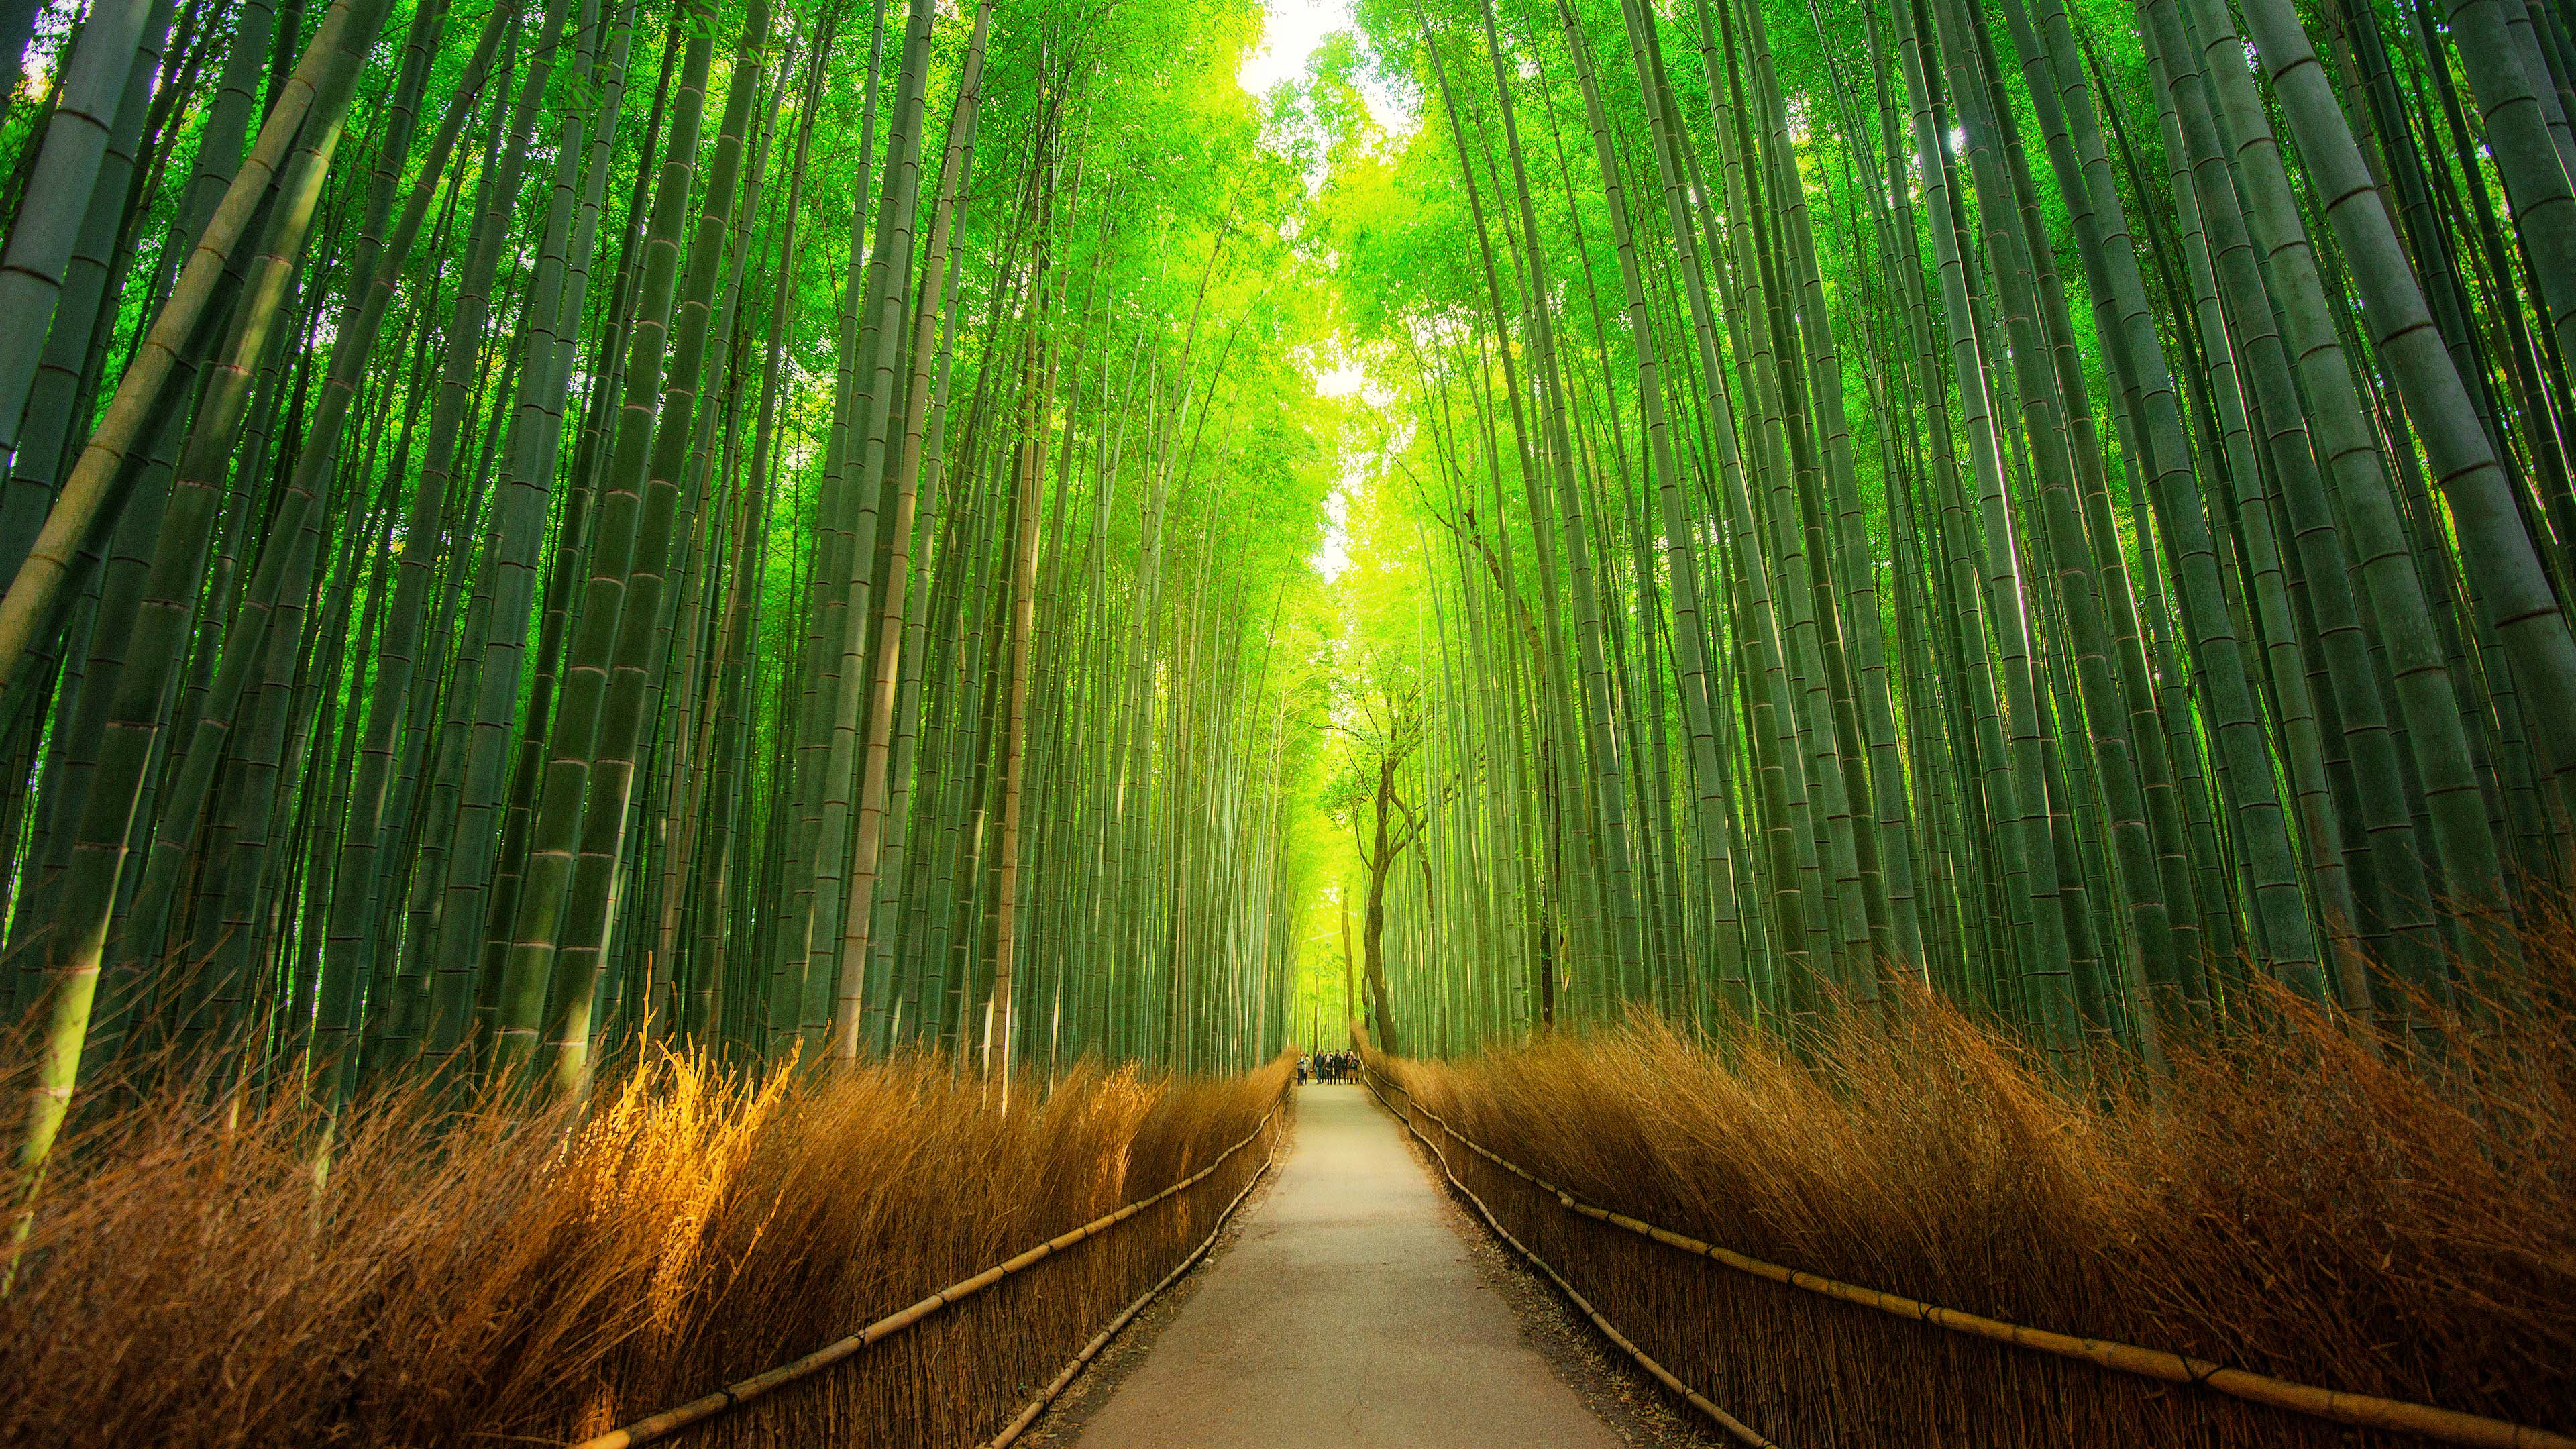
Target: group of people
[{"x": 1328, "y": 1067}]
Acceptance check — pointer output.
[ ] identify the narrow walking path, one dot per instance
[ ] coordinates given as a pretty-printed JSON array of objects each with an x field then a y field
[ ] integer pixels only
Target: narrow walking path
[{"x": 1348, "y": 1314}]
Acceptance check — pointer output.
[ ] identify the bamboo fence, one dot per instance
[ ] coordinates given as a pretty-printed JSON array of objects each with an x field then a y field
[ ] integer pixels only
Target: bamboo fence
[
  {"x": 1832, "y": 1363},
  {"x": 827, "y": 1405}
]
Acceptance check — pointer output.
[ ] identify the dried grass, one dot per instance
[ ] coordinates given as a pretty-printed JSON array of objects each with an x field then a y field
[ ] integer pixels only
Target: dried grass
[
  {"x": 2283, "y": 1202},
  {"x": 495, "y": 1275}
]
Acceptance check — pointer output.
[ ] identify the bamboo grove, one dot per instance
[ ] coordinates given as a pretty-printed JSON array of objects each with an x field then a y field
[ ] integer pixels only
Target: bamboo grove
[
  {"x": 2066, "y": 506},
  {"x": 542, "y": 529},
  {"x": 569, "y": 526}
]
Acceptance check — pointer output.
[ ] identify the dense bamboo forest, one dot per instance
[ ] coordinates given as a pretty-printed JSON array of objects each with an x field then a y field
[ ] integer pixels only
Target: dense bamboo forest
[
  {"x": 568, "y": 559},
  {"x": 2067, "y": 510},
  {"x": 647, "y": 544}
]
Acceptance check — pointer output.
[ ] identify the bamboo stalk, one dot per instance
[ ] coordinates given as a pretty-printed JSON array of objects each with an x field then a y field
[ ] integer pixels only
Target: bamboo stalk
[{"x": 86, "y": 496}]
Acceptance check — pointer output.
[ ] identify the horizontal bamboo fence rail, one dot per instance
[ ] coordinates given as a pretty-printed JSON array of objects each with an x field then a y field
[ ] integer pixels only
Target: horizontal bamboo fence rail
[
  {"x": 663, "y": 1425},
  {"x": 2362, "y": 1411},
  {"x": 1742, "y": 1432},
  {"x": 1089, "y": 1351}
]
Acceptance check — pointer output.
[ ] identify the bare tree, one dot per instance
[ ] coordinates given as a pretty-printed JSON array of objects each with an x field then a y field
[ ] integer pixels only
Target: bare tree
[{"x": 1379, "y": 719}]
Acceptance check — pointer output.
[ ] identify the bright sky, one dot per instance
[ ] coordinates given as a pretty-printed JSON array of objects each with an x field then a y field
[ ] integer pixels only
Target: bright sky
[
  {"x": 1290, "y": 33},
  {"x": 1291, "y": 29},
  {"x": 1334, "y": 554}
]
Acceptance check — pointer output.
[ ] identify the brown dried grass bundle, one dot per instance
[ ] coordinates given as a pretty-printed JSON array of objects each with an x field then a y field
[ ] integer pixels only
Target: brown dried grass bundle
[
  {"x": 495, "y": 1273},
  {"x": 2283, "y": 1201}
]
